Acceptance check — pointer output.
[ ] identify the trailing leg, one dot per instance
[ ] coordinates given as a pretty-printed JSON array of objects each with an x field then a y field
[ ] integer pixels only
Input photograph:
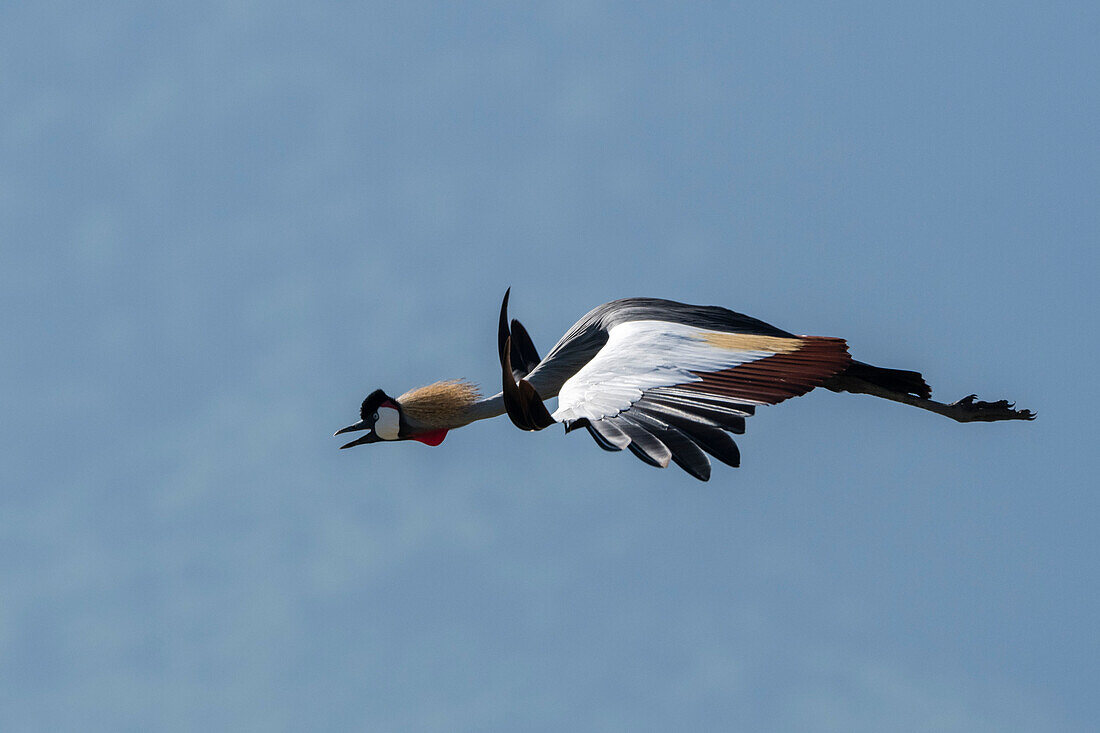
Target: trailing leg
[{"x": 910, "y": 388}]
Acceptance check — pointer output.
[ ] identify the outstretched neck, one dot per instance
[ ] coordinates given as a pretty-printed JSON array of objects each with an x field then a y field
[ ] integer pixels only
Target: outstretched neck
[{"x": 484, "y": 408}]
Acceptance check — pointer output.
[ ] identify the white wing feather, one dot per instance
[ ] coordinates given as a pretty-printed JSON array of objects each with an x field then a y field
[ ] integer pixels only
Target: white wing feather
[{"x": 640, "y": 355}]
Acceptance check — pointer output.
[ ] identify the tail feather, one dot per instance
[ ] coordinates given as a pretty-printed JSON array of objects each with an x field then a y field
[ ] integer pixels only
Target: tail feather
[{"x": 895, "y": 380}]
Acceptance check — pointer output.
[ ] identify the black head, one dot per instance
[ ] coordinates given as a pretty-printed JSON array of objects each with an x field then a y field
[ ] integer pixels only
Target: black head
[
  {"x": 381, "y": 415},
  {"x": 372, "y": 402}
]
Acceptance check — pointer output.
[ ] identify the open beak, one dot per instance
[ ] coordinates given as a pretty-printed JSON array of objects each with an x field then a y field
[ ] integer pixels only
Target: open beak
[{"x": 370, "y": 437}]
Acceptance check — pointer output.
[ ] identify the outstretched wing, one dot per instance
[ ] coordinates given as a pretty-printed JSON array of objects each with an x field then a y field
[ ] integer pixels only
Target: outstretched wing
[{"x": 670, "y": 391}]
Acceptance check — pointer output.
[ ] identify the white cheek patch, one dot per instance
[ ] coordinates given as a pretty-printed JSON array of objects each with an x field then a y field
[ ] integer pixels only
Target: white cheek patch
[{"x": 388, "y": 423}]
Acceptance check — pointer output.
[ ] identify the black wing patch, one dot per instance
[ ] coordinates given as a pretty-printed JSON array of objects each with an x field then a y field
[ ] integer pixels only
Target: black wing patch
[
  {"x": 522, "y": 402},
  {"x": 525, "y": 356},
  {"x": 669, "y": 423}
]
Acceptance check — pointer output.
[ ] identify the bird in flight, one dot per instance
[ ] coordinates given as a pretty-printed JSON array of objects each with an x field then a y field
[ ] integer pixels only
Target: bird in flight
[{"x": 665, "y": 380}]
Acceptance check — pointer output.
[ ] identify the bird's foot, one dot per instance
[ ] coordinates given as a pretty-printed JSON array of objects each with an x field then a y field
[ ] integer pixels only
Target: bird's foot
[{"x": 970, "y": 409}]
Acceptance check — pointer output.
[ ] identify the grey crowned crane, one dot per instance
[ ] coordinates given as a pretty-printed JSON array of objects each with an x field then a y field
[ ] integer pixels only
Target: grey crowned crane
[{"x": 666, "y": 380}]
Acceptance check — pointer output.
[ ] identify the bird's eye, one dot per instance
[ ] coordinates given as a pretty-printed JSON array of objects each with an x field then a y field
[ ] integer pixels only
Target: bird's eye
[{"x": 374, "y": 417}]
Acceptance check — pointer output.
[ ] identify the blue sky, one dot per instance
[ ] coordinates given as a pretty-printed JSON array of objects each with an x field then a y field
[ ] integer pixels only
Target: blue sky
[{"x": 222, "y": 225}]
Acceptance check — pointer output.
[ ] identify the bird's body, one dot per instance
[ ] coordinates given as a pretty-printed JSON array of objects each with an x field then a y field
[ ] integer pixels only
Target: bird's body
[{"x": 666, "y": 380}]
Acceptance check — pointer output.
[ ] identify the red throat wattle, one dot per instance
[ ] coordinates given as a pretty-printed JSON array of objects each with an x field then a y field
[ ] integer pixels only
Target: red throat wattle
[{"x": 432, "y": 437}]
